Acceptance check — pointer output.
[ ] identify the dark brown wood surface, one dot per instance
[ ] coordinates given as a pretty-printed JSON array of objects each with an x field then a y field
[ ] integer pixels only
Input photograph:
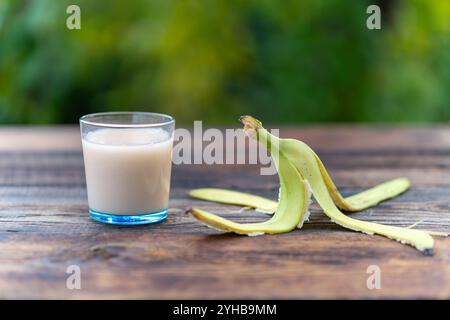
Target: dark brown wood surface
[{"x": 44, "y": 225}]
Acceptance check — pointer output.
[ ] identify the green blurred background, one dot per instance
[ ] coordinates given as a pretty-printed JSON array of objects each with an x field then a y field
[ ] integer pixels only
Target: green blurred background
[{"x": 304, "y": 61}]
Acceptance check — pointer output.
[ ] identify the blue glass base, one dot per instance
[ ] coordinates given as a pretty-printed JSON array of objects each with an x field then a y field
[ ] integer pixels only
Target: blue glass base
[{"x": 128, "y": 220}]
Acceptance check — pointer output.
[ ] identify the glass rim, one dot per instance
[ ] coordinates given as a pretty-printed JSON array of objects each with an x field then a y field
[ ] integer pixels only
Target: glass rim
[{"x": 87, "y": 119}]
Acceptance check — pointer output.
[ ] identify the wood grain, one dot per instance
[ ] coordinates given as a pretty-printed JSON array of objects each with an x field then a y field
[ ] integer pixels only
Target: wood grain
[{"x": 44, "y": 225}]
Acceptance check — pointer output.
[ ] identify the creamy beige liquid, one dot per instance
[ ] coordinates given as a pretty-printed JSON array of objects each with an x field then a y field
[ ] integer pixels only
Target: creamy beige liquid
[{"x": 128, "y": 170}]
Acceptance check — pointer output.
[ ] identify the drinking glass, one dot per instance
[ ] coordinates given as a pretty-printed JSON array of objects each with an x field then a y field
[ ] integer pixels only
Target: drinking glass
[{"x": 127, "y": 160}]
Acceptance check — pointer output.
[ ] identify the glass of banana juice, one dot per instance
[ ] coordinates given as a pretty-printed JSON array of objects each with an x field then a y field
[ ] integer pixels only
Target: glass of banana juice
[{"x": 127, "y": 160}]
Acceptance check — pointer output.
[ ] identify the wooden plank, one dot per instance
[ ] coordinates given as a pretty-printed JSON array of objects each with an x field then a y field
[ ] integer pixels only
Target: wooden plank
[
  {"x": 39, "y": 138},
  {"x": 44, "y": 226}
]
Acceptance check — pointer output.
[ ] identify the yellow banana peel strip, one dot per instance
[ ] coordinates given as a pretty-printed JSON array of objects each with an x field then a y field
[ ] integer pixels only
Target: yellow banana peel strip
[
  {"x": 357, "y": 202},
  {"x": 364, "y": 199},
  {"x": 235, "y": 197},
  {"x": 299, "y": 170}
]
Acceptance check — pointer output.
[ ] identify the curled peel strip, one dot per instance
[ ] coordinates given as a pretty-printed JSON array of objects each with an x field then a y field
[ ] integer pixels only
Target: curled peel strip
[
  {"x": 299, "y": 169},
  {"x": 289, "y": 214}
]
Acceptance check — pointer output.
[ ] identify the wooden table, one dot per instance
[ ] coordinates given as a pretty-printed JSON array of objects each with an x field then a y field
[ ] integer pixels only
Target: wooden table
[{"x": 44, "y": 225}]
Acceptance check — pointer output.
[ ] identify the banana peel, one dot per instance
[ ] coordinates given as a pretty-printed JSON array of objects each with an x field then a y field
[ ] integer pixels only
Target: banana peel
[
  {"x": 288, "y": 215},
  {"x": 301, "y": 172}
]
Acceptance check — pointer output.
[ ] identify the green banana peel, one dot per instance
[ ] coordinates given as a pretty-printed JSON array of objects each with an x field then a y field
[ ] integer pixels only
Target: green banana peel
[
  {"x": 291, "y": 213},
  {"x": 299, "y": 170}
]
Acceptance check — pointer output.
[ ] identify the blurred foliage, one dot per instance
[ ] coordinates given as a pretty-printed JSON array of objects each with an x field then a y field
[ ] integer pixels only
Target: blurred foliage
[{"x": 290, "y": 61}]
